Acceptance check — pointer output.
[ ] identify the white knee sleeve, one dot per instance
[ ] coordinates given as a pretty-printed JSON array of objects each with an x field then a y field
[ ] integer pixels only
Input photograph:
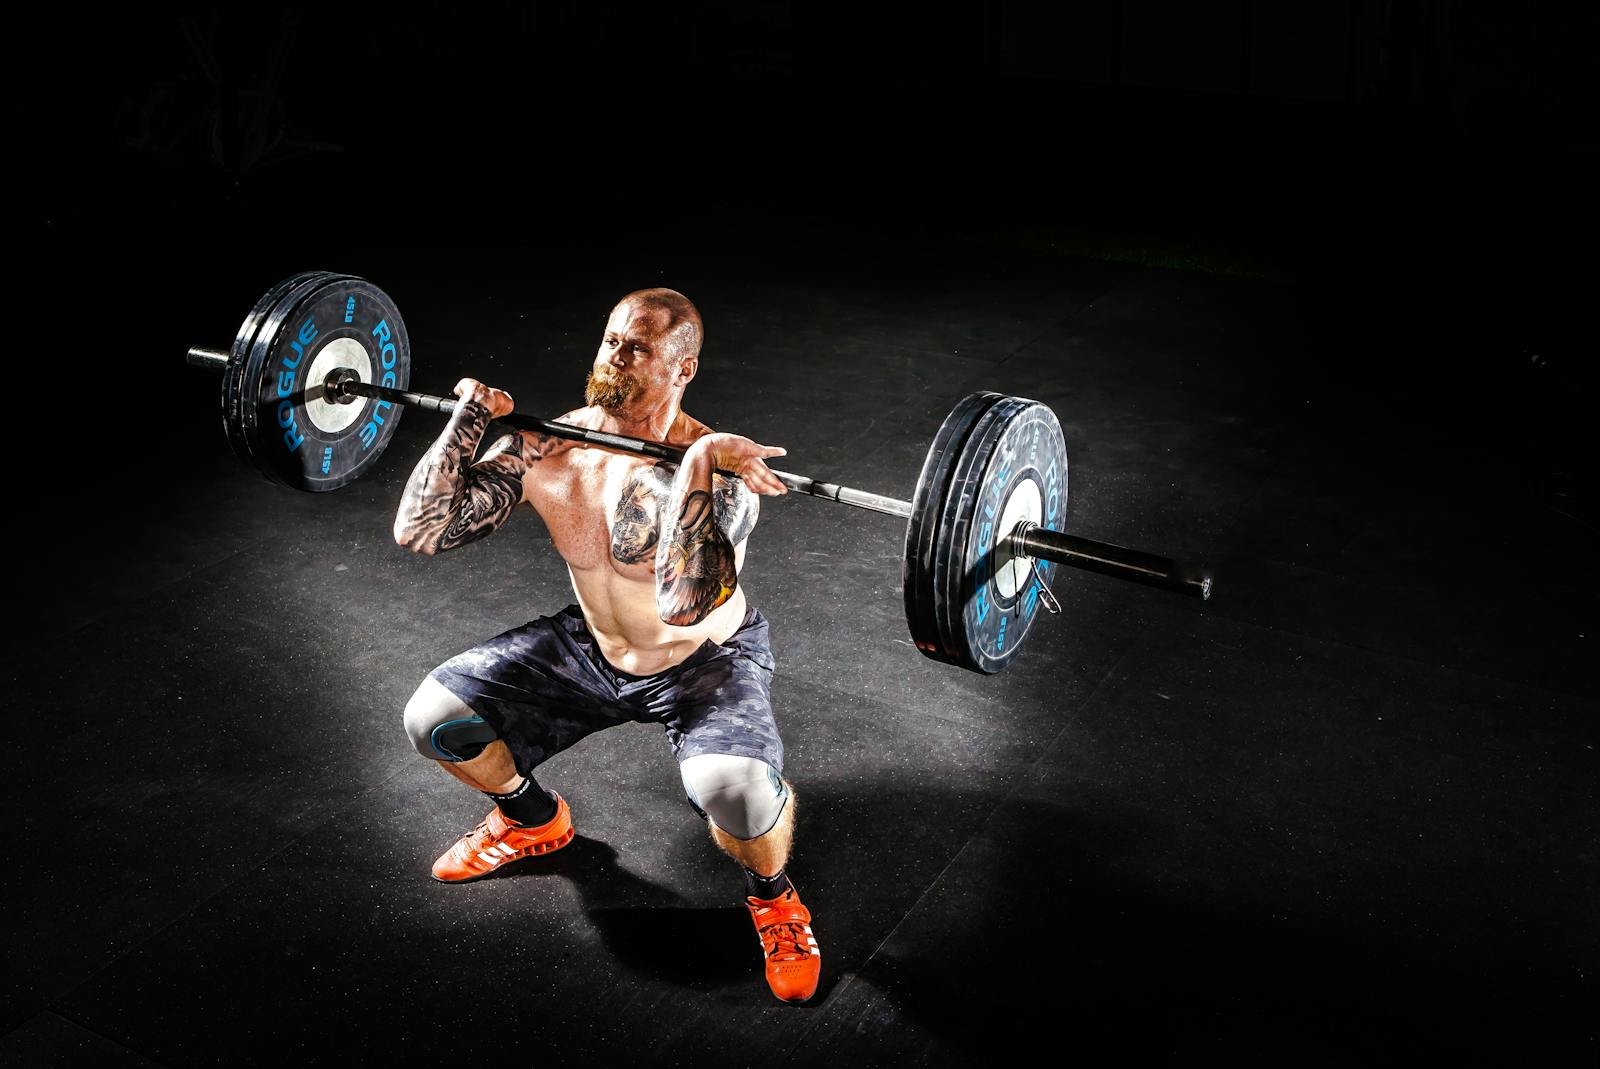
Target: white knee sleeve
[
  {"x": 442, "y": 727},
  {"x": 744, "y": 796}
]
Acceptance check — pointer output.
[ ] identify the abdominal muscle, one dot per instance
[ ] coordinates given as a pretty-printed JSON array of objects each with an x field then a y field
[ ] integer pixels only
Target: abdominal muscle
[{"x": 622, "y": 617}]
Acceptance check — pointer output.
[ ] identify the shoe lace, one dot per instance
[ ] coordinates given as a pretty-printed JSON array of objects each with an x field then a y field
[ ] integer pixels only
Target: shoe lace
[
  {"x": 784, "y": 939},
  {"x": 477, "y": 838}
]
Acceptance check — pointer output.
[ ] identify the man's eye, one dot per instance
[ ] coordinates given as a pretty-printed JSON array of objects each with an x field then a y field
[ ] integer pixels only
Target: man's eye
[
  {"x": 611, "y": 342},
  {"x": 639, "y": 349}
]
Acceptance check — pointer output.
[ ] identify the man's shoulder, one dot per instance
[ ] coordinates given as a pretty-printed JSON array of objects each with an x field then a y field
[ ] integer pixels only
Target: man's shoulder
[
  {"x": 693, "y": 429},
  {"x": 536, "y": 445},
  {"x": 587, "y": 418}
]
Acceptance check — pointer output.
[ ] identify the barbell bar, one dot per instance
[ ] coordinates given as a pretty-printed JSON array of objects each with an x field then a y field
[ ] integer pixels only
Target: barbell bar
[{"x": 978, "y": 527}]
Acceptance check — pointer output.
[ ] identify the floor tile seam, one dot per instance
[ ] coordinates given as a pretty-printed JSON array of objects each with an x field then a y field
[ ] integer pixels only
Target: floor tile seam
[
  {"x": 1198, "y": 610},
  {"x": 146, "y": 1055},
  {"x": 262, "y": 861},
  {"x": 979, "y": 826},
  {"x": 798, "y": 1043}
]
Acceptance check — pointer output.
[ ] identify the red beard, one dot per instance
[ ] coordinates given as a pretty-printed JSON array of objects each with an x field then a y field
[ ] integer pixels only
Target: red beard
[{"x": 611, "y": 391}]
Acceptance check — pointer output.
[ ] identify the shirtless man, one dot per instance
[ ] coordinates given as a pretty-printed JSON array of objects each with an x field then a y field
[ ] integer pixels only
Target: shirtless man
[{"x": 661, "y": 632}]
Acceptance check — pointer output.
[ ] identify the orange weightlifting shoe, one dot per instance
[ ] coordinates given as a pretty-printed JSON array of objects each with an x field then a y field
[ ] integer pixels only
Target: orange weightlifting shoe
[
  {"x": 496, "y": 841},
  {"x": 794, "y": 964}
]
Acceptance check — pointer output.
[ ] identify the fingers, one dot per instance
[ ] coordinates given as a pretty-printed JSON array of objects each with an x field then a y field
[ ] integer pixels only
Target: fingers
[
  {"x": 752, "y": 469},
  {"x": 760, "y": 478},
  {"x": 498, "y": 402},
  {"x": 770, "y": 483}
]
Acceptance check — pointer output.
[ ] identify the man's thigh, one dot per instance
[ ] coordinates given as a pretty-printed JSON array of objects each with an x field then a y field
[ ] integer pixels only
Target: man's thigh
[
  {"x": 534, "y": 688},
  {"x": 723, "y": 705}
]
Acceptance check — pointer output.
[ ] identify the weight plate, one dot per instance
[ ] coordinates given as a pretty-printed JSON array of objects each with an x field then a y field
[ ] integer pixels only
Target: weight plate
[
  {"x": 948, "y": 555},
  {"x": 319, "y": 324},
  {"x": 245, "y": 378},
  {"x": 232, "y": 375},
  {"x": 1015, "y": 468},
  {"x": 927, "y": 503}
]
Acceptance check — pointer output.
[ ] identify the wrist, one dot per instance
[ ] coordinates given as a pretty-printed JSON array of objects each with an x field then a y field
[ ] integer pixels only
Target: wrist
[{"x": 701, "y": 450}]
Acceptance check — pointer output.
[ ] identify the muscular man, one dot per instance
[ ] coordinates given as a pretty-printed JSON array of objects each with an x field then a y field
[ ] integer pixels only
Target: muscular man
[{"x": 661, "y": 632}]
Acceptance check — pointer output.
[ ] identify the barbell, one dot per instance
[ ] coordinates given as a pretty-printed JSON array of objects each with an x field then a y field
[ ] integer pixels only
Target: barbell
[{"x": 981, "y": 538}]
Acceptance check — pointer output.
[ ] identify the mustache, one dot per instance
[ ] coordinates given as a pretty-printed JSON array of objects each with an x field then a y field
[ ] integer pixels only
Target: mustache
[{"x": 610, "y": 390}]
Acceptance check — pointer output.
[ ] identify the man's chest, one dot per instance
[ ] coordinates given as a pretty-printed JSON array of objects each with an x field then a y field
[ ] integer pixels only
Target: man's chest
[{"x": 607, "y": 511}]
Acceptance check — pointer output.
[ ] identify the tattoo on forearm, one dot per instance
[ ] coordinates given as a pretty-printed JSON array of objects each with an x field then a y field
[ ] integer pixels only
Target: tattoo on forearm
[
  {"x": 483, "y": 503},
  {"x": 450, "y": 501},
  {"x": 695, "y": 565}
]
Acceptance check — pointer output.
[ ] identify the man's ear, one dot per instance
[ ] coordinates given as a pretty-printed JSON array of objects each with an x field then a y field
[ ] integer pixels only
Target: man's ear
[{"x": 686, "y": 369}]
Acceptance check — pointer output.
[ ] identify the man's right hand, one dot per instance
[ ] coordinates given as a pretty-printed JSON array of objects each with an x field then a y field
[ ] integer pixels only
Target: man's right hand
[{"x": 498, "y": 402}]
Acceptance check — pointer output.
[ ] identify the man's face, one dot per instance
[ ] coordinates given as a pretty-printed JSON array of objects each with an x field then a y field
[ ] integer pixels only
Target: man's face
[{"x": 636, "y": 366}]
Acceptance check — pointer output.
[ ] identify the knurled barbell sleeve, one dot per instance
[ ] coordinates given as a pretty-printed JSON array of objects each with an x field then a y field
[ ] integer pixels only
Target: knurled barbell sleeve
[
  {"x": 216, "y": 359},
  {"x": 1031, "y": 540}
]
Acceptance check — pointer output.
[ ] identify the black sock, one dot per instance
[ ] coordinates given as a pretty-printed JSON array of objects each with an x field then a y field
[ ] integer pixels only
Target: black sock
[
  {"x": 528, "y": 805},
  {"x": 758, "y": 886}
]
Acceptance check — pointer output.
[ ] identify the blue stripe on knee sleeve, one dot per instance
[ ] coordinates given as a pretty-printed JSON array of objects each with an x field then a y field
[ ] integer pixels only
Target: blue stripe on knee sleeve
[{"x": 463, "y": 739}]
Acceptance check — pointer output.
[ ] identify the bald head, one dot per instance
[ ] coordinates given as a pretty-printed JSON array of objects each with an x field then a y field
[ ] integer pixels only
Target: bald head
[
  {"x": 648, "y": 354},
  {"x": 678, "y": 320}
]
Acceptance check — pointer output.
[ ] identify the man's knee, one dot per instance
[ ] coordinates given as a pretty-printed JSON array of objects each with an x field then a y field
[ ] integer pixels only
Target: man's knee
[
  {"x": 744, "y": 796},
  {"x": 442, "y": 727}
]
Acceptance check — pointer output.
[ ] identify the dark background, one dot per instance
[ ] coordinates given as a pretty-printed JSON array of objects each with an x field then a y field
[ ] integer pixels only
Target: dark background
[
  {"x": 1351, "y": 243},
  {"x": 1430, "y": 153}
]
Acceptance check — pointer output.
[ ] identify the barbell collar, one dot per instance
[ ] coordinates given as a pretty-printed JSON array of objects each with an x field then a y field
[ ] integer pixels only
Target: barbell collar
[{"x": 1030, "y": 540}]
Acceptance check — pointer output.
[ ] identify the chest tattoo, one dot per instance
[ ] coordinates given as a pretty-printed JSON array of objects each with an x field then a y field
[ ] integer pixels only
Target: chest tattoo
[
  {"x": 638, "y": 524},
  {"x": 637, "y": 527}
]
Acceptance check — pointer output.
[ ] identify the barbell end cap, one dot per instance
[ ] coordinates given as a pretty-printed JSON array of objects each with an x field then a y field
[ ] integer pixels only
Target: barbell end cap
[
  {"x": 200, "y": 356},
  {"x": 1205, "y": 588}
]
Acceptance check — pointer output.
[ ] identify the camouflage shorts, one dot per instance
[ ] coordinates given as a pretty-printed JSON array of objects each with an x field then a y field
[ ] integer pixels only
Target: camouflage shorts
[{"x": 544, "y": 685}]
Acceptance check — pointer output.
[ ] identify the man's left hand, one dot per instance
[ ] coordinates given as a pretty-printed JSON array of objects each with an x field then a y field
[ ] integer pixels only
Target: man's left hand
[{"x": 746, "y": 459}]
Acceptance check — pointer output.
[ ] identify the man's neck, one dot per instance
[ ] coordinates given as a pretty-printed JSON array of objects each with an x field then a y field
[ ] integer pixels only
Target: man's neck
[{"x": 654, "y": 424}]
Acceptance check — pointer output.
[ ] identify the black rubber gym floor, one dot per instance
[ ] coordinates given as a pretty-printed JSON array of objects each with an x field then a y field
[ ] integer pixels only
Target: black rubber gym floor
[{"x": 1344, "y": 813}]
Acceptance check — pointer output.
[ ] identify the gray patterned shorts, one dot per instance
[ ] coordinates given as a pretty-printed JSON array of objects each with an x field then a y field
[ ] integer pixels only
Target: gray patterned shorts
[{"x": 544, "y": 685}]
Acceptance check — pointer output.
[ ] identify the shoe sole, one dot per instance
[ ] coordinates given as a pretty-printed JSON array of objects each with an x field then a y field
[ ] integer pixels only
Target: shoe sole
[{"x": 536, "y": 850}]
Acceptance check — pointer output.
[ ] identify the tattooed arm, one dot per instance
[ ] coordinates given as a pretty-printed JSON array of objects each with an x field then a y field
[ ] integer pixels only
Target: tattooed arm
[
  {"x": 696, "y": 564},
  {"x": 450, "y": 501}
]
